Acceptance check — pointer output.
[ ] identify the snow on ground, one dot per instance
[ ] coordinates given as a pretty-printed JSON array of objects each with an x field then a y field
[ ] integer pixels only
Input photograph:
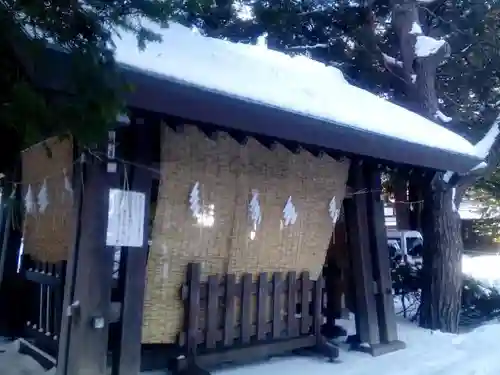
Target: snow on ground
[
  {"x": 429, "y": 353},
  {"x": 261, "y": 75},
  {"x": 474, "y": 353},
  {"x": 13, "y": 363}
]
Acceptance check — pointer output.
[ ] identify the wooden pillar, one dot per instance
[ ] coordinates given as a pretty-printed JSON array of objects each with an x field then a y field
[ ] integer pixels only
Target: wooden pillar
[
  {"x": 84, "y": 337},
  {"x": 69, "y": 285},
  {"x": 355, "y": 209},
  {"x": 133, "y": 274},
  {"x": 11, "y": 286},
  {"x": 381, "y": 265}
]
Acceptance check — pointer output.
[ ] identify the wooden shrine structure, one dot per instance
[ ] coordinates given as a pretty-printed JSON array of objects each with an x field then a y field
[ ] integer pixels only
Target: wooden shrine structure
[{"x": 91, "y": 312}]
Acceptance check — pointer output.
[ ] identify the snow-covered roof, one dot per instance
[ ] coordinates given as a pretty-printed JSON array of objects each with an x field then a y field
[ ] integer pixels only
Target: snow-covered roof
[{"x": 296, "y": 84}]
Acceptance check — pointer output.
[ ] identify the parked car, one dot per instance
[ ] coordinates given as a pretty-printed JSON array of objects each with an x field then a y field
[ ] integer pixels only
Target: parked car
[{"x": 405, "y": 245}]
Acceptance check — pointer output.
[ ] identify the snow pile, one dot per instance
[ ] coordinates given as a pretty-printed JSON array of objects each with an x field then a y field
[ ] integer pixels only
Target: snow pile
[
  {"x": 426, "y": 46},
  {"x": 429, "y": 353},
  {"x": 296, "y": 84},
  {"x": 14, "y": 363},
  {"x": 485, "y": 268}
]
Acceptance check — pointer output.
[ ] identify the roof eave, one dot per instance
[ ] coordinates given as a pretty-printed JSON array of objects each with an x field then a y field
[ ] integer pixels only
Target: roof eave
[{"x": 174, "y": 98}]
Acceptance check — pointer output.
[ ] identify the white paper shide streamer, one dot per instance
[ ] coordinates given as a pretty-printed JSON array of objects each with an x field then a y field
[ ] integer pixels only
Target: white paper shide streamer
[
  {"x": 68, "y": 189},
  {"x": 29, "y": 201},
  {"x": 254, "y": 213},
  {"x": 195, "y": 201},
  {"x": 289, "y": 213},
  {"x": 333, "y": 210},
  {"x": 43, "y": 197}
]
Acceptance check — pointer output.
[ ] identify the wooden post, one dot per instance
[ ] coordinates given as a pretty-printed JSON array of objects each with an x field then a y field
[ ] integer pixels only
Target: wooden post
[
  {"x": 133, "y": 274},
  {"x": 293, "y": 328},
  {"x": 11, "y": 286},
  {"x": 193, "y": 309},
  {"x": 69, "y": 285},
  {"x": 262, "y": 304},
  {"x": 229, "y": 313},
  {"x": 277, "y": 287},
  {"x": 84, "y": 342},
  {"x": 246, "y": 308},
  {"x": 382, "y": 272},
  {"x": 212, "y": 311},
  {"x": 355, "y": 209}
]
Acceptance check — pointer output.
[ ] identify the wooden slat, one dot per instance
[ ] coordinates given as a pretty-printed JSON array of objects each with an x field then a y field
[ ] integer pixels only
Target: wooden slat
[
  {"x": 212, "y": 311},
  {"x": 238, "y": 286},
  {"x": 229, "y": 310},
  {"x": 201, "y": 336},
  {"x": 262, "y": 303},
  {"x": 58, "y": 298},
  {"x": 45, "y": 300},
  {"x": 317, "y": 300},
  {"x": 193, "y": 313},
  {"x": 304, "y": 302},
  {"x": 277, "y": 287},
  {"x": 291, "y": 304},
  {"x": 378, "y": 242},
  {"x": 246, "y": 308},
  {"x": 361, "y": 261}
]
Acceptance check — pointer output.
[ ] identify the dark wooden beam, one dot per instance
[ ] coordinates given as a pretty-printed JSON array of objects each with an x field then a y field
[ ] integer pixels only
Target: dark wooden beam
[
  {"x": 86, "y": 342},
  {"x": 382, "y": 270},
  {"x": 381, "y": 265},
  {"x": 355, "y": 210},
  {"x": 78, "y": 180},
  {"x": 133, "y": 275},
  {"x": 11, "y": 286}
]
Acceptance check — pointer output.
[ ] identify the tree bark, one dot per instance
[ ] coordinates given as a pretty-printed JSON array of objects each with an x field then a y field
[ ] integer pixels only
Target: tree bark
[
  {"x": 442, "y": 271},
  {"x": 441, "y": 293}
]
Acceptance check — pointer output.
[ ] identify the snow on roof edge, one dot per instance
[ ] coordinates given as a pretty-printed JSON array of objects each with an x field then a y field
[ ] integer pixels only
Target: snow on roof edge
[
  {"x": 319, "y": 91},
  {"x": 270, "y": 105}
]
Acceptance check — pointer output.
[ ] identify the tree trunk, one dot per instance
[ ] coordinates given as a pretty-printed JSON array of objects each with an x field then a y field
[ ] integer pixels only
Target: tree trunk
[
  {"x": 442, "y": 270},
  {"x": 442, "y": 276}
]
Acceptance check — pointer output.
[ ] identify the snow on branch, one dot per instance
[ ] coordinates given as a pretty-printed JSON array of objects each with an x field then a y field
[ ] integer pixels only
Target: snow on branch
[
  {"x": 426, "y": 2},
  {"x": 416, "y": 29},
  {"x": 426, "y": 46},
  {"x": 307, "y": 47},
  {"x": 392, "y": 61},
  {"x": 483, "y": 147},
  {"x": 442, "y": 117}
]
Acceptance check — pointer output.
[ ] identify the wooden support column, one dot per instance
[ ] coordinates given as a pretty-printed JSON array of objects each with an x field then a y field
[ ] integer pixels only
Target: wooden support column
[
  {"x": 355, "y": 209},
  {"x": 12, "y": 321},
  {"x": 69, "y": 284},
  {"x": 381, "y": 265},
  {"x": 133, "y": 274},
  {"x": 87, "y": 307}
]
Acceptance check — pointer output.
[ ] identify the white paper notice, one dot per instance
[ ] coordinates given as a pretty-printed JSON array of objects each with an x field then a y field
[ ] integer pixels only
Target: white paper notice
[{"x": 126, "y": 218}]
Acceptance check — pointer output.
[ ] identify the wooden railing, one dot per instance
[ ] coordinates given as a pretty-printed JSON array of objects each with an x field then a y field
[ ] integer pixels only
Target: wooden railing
[
  {"x": 228, "y": 320},
  {"x": 45, "y": 294}
]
